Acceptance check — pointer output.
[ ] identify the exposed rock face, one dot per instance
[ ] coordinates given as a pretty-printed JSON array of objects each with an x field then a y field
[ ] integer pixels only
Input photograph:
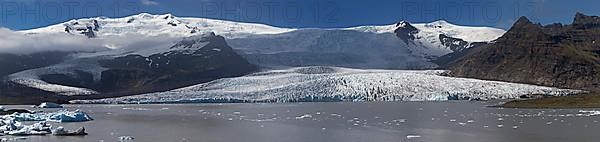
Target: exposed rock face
[
  {"x": 201, "y": 59},
  {"x": 406, "y": 31},
  {"x": 12, "y": 63},
  {"x": 191, "y": 61},
  {"x": 566, "y": 56}
]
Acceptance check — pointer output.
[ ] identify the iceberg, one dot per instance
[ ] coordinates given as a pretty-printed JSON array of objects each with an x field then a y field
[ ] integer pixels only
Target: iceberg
[
  {"x": 69, "y": 116},
  {"x": 126, "y": 139},
  {"x": 49, "y": 105},
  {"x": 59, "y": 116},
  {"x": 12, "y": 127},
  {"x": 60, "y": 131},
  {"x": 12, "y": 124},
  {"x": 412, "y": 136},
  {"x": 588, "y": 113}
]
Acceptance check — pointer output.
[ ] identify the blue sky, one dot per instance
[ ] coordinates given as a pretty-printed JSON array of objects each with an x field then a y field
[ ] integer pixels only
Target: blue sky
[{"x": 27, "y": 14}]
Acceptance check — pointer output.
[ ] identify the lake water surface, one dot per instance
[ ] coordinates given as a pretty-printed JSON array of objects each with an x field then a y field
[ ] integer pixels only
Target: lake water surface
[{"x": 326, "y": 122}]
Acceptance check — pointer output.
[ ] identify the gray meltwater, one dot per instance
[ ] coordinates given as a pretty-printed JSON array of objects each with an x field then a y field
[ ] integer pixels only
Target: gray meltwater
[{"x": 327, "y": 122}]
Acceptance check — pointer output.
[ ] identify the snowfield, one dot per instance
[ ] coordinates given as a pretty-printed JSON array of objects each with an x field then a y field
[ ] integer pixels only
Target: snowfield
[
  {"x": 156, "y": 25},
  {"x": 367, "y": 47},
  {"x": 341, "y": 84},
  {"x": 427, "y": 41}
]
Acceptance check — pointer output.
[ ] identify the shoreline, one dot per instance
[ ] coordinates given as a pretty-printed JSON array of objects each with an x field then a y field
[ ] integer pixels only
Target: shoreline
[{"x": 586, "y": 100}]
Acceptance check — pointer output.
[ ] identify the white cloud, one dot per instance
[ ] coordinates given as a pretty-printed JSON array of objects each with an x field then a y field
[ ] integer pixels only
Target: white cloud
[
  {"x": 21, "y": 43},
  {"x": 149, "y": 2},
  {"x": 16, "y": 42}
]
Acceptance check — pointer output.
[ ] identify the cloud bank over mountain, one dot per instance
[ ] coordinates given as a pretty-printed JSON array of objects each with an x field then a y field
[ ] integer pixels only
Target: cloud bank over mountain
[{"x": 23, "y": 43}]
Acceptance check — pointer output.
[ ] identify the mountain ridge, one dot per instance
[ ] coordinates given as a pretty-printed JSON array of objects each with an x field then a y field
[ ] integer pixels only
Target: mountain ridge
[
  {"x": 564, "y": 56},
  {"x": 147, "y": 53}
]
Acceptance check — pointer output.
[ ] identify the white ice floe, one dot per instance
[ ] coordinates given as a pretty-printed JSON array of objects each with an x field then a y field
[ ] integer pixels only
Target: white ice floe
[
  {"x": 59, "y": 116},
  {"x": 588, "y": 113},
  {"x": 341, "y": 84},
  {"x": 13, "y": 127},
  {"x": 126, "y": 139},
  {"x": 412, "y": 136},
  {"x": 304, "y": 116},
  {"x": 12, "y": 124},
  {"x": 60, "y": 131},
  {"x": 49, "y": 105}
]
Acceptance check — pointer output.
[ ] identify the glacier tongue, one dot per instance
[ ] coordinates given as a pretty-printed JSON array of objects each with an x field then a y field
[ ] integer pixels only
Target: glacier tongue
[{"x": 340, "y": 84}]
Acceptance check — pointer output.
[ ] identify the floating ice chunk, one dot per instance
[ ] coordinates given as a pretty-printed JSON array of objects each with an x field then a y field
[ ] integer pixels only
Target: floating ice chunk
[
  {"x": 588, "y": 113},
  {"x": 69, "y": 116},
  {"x": 304, "y": 116},
  {"x": 12, "y": 139},
  {"x": 515, "y": 127},
  {"x": 26, "y": 117},
  {"x": 49, "y": 105},
  {"x": 412, "y": 136},
  {"x": 59, "y": 116},
  {"x": 126, "y": 139},
  {"x": 60, "y": 131},
  {"x": 500, "y": 126},
  {"x": 2, "y": 108},
  {"x": 18, "y": 129}
]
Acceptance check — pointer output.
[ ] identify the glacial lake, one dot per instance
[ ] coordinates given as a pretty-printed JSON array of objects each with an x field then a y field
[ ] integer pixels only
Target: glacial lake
[{"x": 455, "y": 121}]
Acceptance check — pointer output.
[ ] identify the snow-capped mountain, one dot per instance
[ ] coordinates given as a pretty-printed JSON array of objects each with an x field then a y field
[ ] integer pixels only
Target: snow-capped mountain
[
  {"x": 151, "y": 53},
  {"x": 155, "y": 25},
  {"x": 192, "y": 60},
  {"x": 341, "y": 84},
  {"x": 383, "y": 47},
  {"x": 432, "y": 38}
]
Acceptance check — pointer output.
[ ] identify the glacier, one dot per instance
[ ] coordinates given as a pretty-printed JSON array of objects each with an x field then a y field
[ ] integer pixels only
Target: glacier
[
  {"x": 322, "y": 84},
  {"x": 363, "y": 47}
]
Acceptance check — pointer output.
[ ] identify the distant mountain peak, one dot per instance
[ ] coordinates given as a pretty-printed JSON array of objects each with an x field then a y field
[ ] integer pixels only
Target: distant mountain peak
[
  {"x": 584, "y": 21},
  {"x": 524, "y": 26},
  {"x": 523, "y": 21},
  {"x": 403, "y": 23},
  {"x": 439, "y": 24},
  {"x": 406, "y": 31}
]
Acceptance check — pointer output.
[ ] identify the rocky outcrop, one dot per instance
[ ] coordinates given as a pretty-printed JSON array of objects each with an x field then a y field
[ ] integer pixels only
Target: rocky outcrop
[
  {"x": 12, "y": 63},
  {"x": 191, "y": 61},
  {"x": 566, "y": 56},
  {"x": 406, "y": 31}
]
